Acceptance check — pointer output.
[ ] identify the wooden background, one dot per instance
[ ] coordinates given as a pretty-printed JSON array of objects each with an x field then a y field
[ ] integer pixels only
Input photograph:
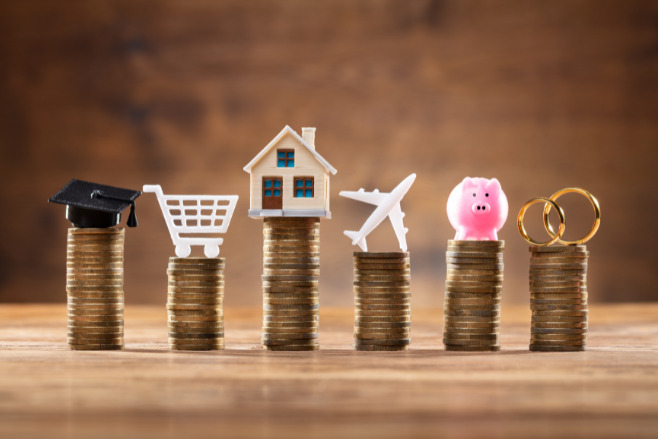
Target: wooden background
[{"x": 541, "y": 95}]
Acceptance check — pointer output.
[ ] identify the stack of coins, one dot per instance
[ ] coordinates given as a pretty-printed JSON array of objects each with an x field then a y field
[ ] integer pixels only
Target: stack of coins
[
  {"x": 558, "y": 298},
  {"x": 94, "y": 287},
  {"x": 474, "y": 285},
  {"x": 291, "y": 266},
  {"x": 195, "y": 303},
  {"x": 382, "y": 301}
]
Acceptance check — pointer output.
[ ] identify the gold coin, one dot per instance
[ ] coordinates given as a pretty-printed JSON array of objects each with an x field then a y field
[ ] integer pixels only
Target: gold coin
[
  {"x": 563, "y": 348},
  {"x": 473, "y": 290},
  {"x": 488, "y": 278},
  {"x": 95, "y": 347},
  {"x": 204, "y": 302},
  {"x": 560, "y": 324},
  {"x": 574, "y": 331},
  {"x": 365, "y": 307},
  {"x": 463, "y": 335},
  {"x": 381, "y": 288},
  {"x": 210, "y": 345},
  {"x": 307, "y": 282},
  {"x": 304, "y": 323},
  {"x": 394, "y": 342},
  {"x": 471, "y": 312},
  {"x": 291, "y": 278},
  {"x": 379, "y": 336},
  {"x": 180, "y": 308},
  {"x": 559, "y": 249},
  {"x": 558, "y": 337},
  {"x": 293, "y": 322},
  {"x": 471, "y": 348},
  {"x": 289, "y": 347},
  {"x": 360, "y": 347},
  {"x": 476, "y": 244},
  {"x": 381, "y": 269},
  {"x": 183, "y": 321},
  {"x": 291, "y": 259},
  {"x": 557, "y": 307},
  {"x": 294, "y": 302},
  {"x": 359, "y": 323},
  {"x": 96, "y": 320},
  {"x": 380, "y": 255},
  {"x": 470, "y": 342},
  {"x": 294, "y": 339},
  {"x": 386, "y": 313}
]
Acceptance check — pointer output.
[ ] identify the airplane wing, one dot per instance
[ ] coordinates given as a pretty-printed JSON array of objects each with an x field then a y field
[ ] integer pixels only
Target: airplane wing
[
  {"x": 374, "y": 197},
  {"x": 396, "y": 216}
]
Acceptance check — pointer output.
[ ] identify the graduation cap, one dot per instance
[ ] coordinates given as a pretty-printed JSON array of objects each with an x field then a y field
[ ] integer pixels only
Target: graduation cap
[{"x": 93, "y": 205}]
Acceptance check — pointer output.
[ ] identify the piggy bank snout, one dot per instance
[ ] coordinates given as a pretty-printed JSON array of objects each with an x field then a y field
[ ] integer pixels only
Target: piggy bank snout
[{"x": 480, "y": 208}]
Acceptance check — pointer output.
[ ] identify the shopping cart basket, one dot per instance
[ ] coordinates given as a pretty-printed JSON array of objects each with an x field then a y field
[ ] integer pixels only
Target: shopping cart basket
[{"x": 195, "y": 215}]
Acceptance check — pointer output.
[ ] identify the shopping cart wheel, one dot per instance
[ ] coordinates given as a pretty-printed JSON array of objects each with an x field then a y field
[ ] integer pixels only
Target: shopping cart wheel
[
  {"x": 211, "y": 251},
  {"x": 183, "y": 251}
]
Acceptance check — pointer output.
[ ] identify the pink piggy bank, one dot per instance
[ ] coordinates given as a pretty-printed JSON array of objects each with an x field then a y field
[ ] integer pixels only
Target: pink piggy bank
[{"x": 477, "y": 209}]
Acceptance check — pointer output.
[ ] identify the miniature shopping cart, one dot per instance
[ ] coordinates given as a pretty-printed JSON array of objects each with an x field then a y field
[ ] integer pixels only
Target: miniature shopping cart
[{"x": 195, "y": 215}]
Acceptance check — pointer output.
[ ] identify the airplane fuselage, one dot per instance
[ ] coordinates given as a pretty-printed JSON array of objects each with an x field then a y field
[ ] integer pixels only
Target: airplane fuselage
[{"x": 381, "y": 212}]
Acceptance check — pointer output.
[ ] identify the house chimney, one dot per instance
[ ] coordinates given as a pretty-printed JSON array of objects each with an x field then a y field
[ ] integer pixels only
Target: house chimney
[{"x": 308, "y": 134}]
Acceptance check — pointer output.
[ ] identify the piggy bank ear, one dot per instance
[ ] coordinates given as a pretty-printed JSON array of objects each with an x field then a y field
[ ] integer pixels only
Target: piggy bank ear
[
  {"x": 493, "y": 187},
  {"x": 468, "y": 183}
]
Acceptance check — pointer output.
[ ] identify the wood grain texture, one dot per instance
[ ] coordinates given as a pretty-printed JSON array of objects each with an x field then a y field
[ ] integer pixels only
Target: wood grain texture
[
  {"x": 146, "y": 391},
  {"x": 541, "y": 95}
]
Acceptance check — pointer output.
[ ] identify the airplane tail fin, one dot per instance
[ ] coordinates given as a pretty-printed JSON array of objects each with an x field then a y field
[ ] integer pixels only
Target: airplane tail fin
[{"x": 354, "y": 236}]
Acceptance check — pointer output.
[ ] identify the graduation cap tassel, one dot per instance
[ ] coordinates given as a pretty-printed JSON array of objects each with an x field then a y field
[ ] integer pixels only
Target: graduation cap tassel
[{"x": 132, "y": 218}]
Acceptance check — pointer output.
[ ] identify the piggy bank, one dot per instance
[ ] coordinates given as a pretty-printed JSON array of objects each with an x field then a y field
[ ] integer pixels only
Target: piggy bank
[{"x": 477, "y": 209}]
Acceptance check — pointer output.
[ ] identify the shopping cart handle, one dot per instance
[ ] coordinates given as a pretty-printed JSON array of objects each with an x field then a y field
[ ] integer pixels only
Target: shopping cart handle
[{"x": 156, "y": 188}]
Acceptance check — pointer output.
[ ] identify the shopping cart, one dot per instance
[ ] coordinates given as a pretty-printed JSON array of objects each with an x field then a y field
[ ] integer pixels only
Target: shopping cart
[{"x": 195, "y": 215}]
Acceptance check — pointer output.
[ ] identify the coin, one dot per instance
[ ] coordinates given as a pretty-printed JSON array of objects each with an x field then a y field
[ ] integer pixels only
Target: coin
[
  {"x": 94, "y": 285},
  {"x": 557, "y": 348},
  {"x": 196, "y": 346},
  {"x": 293, "y": 347},
  {"x": 377, "y": 345},
  {"x": 477, "y": 244},
  {"x": 362, "y": 347},
  {"x": 472, "y": 348},
  {"x": 560, "y": 325}
]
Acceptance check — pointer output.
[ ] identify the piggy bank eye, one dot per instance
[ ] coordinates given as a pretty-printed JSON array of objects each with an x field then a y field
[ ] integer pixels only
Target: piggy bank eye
[
  {"x": 473, "y": 193},
  {"x": 487, "y": 194}
]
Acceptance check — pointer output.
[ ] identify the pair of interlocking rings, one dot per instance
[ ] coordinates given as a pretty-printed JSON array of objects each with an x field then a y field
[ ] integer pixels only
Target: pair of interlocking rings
[{"x": 551, "y": 203}]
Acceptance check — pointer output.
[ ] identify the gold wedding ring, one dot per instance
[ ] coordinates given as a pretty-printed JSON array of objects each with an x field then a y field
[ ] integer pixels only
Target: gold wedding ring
[
  {"x": 597, "y": 214},
  {"x": 552, "y": 203},
  {"x": 554, "y": 236}
]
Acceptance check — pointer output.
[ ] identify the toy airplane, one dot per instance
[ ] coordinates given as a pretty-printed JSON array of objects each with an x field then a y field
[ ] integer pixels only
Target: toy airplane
[{"x": 388, "y": 204}]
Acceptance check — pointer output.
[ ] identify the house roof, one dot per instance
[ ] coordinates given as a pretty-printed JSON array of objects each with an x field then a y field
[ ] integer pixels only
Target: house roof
[{"x": 288, "y": 130}]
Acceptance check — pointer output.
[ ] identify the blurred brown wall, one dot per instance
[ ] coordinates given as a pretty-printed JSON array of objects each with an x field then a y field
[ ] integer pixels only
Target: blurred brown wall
[{"x": 540, "y": 94}]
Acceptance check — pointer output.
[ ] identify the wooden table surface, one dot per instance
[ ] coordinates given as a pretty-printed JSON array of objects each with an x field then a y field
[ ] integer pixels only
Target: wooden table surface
[{"x": 147, "y": 391}]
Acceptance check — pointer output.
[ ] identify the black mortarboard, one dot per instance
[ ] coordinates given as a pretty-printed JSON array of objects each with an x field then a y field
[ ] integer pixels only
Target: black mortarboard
[{"x": 96, "y": 205}]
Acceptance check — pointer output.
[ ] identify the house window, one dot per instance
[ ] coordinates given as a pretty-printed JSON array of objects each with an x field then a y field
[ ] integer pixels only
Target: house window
[
  {"x": 285, "y": 158},
  {"x": 304, "y": 187}
]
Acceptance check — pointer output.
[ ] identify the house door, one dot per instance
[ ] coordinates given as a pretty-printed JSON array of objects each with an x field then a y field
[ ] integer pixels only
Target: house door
[{"x": 272, "y": 193}]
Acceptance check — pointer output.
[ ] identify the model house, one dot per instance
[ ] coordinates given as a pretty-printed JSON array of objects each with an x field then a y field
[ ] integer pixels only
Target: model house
[{"x": 289, "y": 178}]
